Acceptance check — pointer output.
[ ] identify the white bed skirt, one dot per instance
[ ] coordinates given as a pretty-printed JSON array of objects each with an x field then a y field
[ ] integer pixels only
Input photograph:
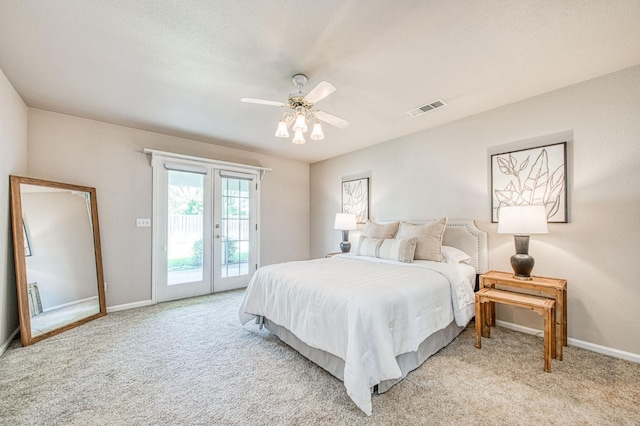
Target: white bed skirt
[{"x": 408, "y": 361}]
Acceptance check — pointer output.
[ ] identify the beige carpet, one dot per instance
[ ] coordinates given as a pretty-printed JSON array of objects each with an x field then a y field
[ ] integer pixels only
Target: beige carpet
[{"x": 190, "y": 362}]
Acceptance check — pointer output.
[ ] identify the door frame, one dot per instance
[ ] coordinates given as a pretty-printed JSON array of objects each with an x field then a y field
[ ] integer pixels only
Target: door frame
[{"x": 158, "y": 159}]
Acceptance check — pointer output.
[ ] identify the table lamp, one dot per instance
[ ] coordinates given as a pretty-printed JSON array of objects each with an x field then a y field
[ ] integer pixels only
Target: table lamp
[
  {"x": 345, "y": 222},
  {"x": 522, "y": 221}
]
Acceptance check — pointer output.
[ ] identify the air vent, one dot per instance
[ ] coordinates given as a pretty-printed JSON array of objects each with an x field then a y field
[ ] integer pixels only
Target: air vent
[{"x": 425, "y": 108}]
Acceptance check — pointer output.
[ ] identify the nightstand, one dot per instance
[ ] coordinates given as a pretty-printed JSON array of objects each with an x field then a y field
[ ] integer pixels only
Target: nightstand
[
  {"x": 555, "y": 288},
  {"x": 333, "y": 253}
]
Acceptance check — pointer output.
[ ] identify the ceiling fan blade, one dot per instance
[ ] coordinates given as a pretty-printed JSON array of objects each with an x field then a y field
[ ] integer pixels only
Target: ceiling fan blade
[
  {"x": 321, "y": 91},
  {"x": 262, "y": 102},
  {"x": 332, "y": 119}
]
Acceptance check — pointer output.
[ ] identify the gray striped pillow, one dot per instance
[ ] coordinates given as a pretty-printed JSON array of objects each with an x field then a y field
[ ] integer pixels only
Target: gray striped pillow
[{"x": 401, "y": 250}]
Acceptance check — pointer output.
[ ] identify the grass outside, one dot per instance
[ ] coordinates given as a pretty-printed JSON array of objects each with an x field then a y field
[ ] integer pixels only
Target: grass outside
[{"x": 191, "y": 263}]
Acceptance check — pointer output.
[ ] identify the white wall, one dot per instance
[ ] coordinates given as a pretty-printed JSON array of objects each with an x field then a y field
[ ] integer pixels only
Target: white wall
[
  {"x": 444, "y": 172},
  {"x": 108, "y": 157},
  {"x": 13, "y": 161}
]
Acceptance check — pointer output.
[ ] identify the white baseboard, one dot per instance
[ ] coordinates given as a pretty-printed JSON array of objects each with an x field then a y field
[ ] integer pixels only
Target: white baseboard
[
  {"x": 75, "y": 302},
  {"x": 130, "y": 306},
  {"x": 616, "y": 353},
  {"x": 5, "y": 345}
]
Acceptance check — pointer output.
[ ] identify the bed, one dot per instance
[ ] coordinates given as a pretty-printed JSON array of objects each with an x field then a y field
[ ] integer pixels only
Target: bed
[{"x": 368, "y": 318}]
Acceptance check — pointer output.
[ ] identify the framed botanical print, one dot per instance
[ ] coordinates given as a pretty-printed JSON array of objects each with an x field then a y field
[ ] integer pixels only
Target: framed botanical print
[
  {"x": 355, "y": 198},
  {"x": 532, "y": 176}
]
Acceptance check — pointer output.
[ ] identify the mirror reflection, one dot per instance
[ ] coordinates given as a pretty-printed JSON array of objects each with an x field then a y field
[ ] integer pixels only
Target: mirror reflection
[{"x": 58, "y": 267}]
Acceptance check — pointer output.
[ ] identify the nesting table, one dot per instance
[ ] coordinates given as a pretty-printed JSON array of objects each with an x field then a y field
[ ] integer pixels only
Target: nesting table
[{"x": 554, "y": 288}]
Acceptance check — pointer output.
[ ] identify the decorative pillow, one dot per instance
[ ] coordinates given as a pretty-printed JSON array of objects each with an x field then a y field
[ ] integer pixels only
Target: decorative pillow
[
  {"x": 429, "y": 237},
  {"x": 455, "y": 255},
  {"x": 379, "y": 230},
  {"x": 392, "y": 248},
  {"x": 398, "y": 249},
  {"x": 368, "y": 246}
]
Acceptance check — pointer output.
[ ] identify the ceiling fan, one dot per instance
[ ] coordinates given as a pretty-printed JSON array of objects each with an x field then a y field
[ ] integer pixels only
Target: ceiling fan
[{"x": 303, "y": 110}]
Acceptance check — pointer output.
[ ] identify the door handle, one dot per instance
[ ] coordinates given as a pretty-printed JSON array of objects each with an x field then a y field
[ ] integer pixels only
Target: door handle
[{"x": 219, "y": 236}]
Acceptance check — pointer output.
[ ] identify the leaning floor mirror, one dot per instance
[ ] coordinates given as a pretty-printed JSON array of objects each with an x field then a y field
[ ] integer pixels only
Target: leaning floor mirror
[{"x": 56, "y": 240}]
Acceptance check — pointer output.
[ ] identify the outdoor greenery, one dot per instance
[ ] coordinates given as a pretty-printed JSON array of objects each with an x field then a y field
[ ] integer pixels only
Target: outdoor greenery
[
  {"x": 181, "y": 264},
  {"x": 233, "y": 255},
  {"x": 196, "y": 259},
  {"x": 194, "y": 207},
  {"x": 232, "y": 252},
  {"x": 186, "y": 198},
  {"x": 185, "y": 193}
]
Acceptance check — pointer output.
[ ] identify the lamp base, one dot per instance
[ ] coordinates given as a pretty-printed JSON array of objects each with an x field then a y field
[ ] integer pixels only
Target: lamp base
[
  {"x": 521, "y": 262},
  {"x": 345, "y": 245},
  {"x": 518, "y": 277}
]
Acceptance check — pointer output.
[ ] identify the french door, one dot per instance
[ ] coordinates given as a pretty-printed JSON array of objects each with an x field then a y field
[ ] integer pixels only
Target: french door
[
  {"x": 205, "y": 228},
  {"x": 234, "y": 230}
]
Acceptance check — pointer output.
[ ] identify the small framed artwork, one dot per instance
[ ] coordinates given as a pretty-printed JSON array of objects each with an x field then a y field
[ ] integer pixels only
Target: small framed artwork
[
  {"x": 532, "y": 176},
  {"x": 355, "y": 198}
]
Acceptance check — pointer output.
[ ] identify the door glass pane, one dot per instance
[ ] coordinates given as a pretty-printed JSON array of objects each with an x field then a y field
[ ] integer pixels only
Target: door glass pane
[
  {"x": 235, "y": 223},
  {"x": 185, "y": 227}
]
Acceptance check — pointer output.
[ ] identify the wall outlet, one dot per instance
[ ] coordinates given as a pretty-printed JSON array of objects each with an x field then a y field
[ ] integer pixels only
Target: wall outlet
[
  {"x": 143, "y": 223},
  {"x": 106, "y": 287}
]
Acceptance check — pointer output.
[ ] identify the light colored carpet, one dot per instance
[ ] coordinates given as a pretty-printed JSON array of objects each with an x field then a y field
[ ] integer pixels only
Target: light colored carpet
[{"x": 190, "y": 362}]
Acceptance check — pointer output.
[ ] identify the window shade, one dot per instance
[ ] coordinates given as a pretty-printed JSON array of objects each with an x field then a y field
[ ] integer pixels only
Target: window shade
[{"x": 177, "y": 167}]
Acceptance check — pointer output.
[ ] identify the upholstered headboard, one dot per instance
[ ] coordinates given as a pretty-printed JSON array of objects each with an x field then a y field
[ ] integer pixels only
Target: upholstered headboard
[{"x": 464, "y": 234}]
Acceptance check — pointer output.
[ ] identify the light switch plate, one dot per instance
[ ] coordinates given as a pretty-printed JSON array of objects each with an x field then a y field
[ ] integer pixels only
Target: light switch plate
[{"x": 143, "y": 223}]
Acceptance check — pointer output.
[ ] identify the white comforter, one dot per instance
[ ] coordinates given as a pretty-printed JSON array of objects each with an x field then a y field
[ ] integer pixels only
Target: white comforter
[{"x": 364, "y": 310}]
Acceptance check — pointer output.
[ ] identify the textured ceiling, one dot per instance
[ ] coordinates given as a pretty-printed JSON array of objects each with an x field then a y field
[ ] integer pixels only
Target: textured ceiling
[{"x": 181, "y": 67}]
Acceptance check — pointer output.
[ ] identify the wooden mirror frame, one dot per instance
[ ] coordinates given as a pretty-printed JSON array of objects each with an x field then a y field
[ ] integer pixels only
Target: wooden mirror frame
[{"x": 20, "y": 259}]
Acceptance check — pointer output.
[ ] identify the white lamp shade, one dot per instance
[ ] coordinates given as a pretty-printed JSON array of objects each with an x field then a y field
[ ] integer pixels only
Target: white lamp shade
[
  {"x": 316, "y": 133},
  {"x": 298, "y": 139},
  {"x": 300, "y": 123},
  {"x": 282, "y": 131},
  {"x": 345, "y": 222},
  {"x": 522, "y": 220}
]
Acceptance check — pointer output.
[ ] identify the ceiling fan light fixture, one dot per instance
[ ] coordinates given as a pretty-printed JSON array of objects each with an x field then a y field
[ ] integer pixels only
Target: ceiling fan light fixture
[
  {"x": 301, "y": 111},
  {"x": 316, "y": 133},
  {"x": 301, "y": 122},
  {"x": 282, "y": 131},
  {"x": 298, "y": 139}
]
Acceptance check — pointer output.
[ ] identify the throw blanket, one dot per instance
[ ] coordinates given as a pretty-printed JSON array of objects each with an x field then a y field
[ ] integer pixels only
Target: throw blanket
[{"x": 363, "y": 310}]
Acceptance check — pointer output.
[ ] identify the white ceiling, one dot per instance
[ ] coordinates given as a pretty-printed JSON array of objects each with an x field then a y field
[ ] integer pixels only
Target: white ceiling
[{"x": 181, "y": 67}]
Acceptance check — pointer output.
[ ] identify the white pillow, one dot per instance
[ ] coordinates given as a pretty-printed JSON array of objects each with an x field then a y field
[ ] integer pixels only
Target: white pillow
[
  {"x": 380, "y": 230},
  {"x": 429, "y": 236},
  {"x": 455, "y": 255}
]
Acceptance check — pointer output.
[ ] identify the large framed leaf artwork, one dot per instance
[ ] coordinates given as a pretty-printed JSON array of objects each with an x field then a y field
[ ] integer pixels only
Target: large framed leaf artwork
[
  {"x": 355, "y": 198},
  {"x": 532, "y": 176}
]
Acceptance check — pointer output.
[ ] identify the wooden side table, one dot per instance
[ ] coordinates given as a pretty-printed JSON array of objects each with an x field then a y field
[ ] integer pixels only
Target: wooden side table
[
  {"x": 552, "y": 287},
  {"x": 544, "y": 306}
]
